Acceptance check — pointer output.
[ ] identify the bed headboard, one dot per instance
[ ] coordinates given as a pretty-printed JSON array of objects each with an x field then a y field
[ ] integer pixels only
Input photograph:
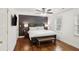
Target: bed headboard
[{"x": 35, "y": 24}]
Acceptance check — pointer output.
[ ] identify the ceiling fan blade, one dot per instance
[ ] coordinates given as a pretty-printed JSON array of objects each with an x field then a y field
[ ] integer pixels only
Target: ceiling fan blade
[
  {"x": 38, "y": 10},
  {"x": 49, "y": 10}
]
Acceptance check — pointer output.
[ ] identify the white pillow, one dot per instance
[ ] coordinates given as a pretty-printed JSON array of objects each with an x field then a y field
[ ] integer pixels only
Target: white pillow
[{"x": 37, "y": 28}]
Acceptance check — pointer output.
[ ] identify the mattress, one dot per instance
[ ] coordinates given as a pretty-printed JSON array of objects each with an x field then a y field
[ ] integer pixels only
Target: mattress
[{"x": 40, "y": 33}]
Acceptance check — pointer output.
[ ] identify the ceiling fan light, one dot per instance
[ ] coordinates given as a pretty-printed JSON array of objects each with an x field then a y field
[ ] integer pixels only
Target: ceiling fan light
[
  {"x": 45, "y": 11},
  {"x": 43, "y": 14}
]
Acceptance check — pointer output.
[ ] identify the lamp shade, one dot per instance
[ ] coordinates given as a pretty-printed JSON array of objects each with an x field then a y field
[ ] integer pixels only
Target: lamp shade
[{"x": 25, "y": 25}]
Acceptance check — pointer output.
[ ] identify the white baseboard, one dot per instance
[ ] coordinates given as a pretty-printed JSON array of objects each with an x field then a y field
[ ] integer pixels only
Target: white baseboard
[{"x": 21, "y": 37}]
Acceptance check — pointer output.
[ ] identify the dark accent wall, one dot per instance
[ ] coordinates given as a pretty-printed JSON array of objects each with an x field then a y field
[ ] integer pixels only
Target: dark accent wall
[{"x": 30, "y": 19}]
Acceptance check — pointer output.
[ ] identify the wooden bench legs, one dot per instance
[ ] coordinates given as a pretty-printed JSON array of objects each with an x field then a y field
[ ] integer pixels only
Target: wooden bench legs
[{"x": 54, "y": 41}]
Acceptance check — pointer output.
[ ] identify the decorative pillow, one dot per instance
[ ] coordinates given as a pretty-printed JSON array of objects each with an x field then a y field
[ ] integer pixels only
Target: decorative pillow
[{"x": 37, "y": 28}]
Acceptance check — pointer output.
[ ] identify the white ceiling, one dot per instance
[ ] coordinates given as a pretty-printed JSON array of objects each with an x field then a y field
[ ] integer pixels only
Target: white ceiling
[{"x": 33, "y": 10}]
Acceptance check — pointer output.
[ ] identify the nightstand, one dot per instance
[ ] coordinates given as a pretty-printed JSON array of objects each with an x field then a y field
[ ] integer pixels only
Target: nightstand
[{"x": 26, "y": 32}]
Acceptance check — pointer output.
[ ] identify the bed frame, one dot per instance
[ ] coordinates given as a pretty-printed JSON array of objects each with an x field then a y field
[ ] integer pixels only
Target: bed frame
[{"x": 42, "y": 38}]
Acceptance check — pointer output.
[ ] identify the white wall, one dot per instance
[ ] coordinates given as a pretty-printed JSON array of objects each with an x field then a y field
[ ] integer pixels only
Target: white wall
[
  {"x": 3, "y": 29},
  {"x": 8, "y": 33},
  {"x": 12, "y": 31},
  {"x": 67, "y": 31}
]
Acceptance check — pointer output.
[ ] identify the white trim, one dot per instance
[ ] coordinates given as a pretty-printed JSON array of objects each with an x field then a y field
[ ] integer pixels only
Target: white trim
[{"x": 21, "y": 37}]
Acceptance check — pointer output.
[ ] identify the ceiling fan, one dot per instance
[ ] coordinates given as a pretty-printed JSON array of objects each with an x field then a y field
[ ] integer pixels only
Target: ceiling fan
[{"x": 45, "y": 10}]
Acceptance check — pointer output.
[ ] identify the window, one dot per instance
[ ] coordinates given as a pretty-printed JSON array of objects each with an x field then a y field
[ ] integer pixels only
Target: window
[
  {"x": 58, "y": 23},
  {"x": 77, "y": 25}
]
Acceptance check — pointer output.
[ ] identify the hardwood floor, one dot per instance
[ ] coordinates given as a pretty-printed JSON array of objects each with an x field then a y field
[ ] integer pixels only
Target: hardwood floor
[{"x": 24, "y": 44}]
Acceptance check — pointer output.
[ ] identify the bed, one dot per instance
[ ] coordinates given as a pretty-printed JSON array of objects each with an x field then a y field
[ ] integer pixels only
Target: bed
[
  {"x": 40, "y": 33},
  {"x": 36, "y": 32}
]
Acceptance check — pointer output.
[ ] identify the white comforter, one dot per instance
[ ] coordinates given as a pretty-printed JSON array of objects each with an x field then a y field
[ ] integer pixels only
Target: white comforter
[{"x": 39, "y": 33}]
